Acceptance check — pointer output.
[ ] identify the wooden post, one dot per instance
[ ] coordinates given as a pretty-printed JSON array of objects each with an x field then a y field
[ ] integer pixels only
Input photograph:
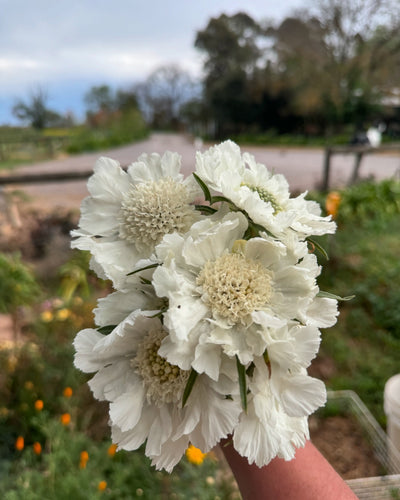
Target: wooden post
[
  {"x": 327, "y": 166},
  {"x": 356, "y": 168}
]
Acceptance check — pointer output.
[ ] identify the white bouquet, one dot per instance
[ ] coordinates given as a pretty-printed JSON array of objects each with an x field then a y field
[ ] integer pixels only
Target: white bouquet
[{"x": 216, "y": 311}]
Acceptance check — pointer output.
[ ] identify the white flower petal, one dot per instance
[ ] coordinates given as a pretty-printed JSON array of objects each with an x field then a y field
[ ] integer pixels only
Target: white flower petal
[
  {"x": 159, "y": 432},
  {"x": 134, "y": 438},
  {"x": 170, "y": 454},
  {"x": 111, "y": 381},
  {"x": 253, "y": 440},
  {"x": 207, "y": 360},
  {"x": 85, "y": 359},
  {"x": 322, "y": 312},
  {"x": 302, "y": 395},
  {"x": 126, "y": 410}
]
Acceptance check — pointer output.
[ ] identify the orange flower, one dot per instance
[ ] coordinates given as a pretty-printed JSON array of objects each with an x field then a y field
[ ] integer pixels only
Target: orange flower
[
  {"x": 67, "y": 392},
  {"x": 111, "y": 450},
  {"x": 37, "y": 448},
  {"x": 65, "y": 418},
  {"x": 195, "y": 455},
  {"x": 38, "y": 405},
  {"x": 19, "y": 443},
  {"x": 102, "y": 485},
  {"x": 84, "y": 457},
  {"x": 332, "y": 203}
]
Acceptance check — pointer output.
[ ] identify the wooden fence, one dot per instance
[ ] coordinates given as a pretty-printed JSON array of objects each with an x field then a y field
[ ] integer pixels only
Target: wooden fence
[
  {"x": 31, "y": 147},
  {"x": 359, "y": 152}
]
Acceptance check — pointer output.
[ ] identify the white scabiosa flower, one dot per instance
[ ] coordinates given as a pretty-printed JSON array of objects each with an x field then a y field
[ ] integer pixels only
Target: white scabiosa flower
[
  {"x": 128, "y": 213},
  {"x": 145, "y": 392},
  {"x": 267, "y": 430},
  {"x": 264, "y": 196},
  {"x": 226, "y": 293}
]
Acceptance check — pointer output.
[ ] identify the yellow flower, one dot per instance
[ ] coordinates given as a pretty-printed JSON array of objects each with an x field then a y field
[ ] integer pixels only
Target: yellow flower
[
  {"x": 111, "y": 450},
  {"x": 84, "y": 457},
  {"x": 63, "y": 314},
  {"x": 38, "y": 405},
  {"x": 102, "y": 485},
  {"x": 4, "y": 412},
  {"x": 67, "y": 392},
  {"x": 46, "y": 316},
  {"x": 65, "y": 418},
  {"x": 332, "y": 203},
  {"x": 28, "y": 385},
  {"x": 19, "y": 443},
  {"x": 37, "y": 448},
  {"x": 195, "y": 455}
]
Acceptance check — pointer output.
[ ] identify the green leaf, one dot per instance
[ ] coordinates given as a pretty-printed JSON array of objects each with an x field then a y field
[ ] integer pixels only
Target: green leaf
[
  {"x": 151, "y": 266},
  {"x": 328, "y": 295},
  {"x": 253, "y": 230},
  {"x": 204, "y": 187},
  {"x": 319, "y": 247},
  {"x": 105, "y": 330},
  {"x": 206, "y": 209},
  {"x": 189, "y": 386},
  {"x": 242, "y": 383},
  {"x": 215, "y": 199}
]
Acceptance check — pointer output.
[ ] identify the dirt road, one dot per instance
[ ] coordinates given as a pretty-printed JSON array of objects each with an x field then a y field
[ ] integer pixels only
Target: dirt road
[{"x": 302, "y": 167}]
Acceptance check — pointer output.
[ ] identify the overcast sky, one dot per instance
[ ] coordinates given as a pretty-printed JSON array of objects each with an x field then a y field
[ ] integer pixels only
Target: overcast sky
[{"x": 66, "y": 47}]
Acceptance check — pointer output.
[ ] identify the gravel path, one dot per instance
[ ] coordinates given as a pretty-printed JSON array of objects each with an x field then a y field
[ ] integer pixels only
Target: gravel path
[{"x": 302, "y": 167}]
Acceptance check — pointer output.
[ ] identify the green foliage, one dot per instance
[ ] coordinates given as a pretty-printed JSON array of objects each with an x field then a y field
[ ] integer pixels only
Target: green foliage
[
  {"x": 57, "y": 475},
  {"x": 39, "y": 369},
  {"x": 365, "y": 343},
  {"x": 74, "y": 276},
  {"x": 123, "y": 129},
  {"x": 273, "y": 138},
  {"x": 18, "y": 286},
  {"x": 370, "y": 203}
]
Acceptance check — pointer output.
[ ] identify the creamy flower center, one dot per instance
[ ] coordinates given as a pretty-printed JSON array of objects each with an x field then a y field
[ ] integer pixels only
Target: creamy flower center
[
  {"x": 150, "y": 210},
  {"x": 234, "y": 286},
  {"x": 266, "y": 196},
  {"x": 164, "y": 382}
]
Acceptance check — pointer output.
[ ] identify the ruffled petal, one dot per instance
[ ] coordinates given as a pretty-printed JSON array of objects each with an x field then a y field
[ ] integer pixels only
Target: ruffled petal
[{"x": 126, "y": 410}]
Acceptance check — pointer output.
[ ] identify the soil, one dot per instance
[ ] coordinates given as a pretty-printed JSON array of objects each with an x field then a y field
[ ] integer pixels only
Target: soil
[
  {"x": 343, "y": 444},
  {"x": 43, "y": 239}
]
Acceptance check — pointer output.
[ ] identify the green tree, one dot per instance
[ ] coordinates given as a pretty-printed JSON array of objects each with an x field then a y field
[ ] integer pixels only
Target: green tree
[
  {"x": 231, "y": 45},
  {"x": 35, "y": 111},
  {"x": 99, "y": 98}
]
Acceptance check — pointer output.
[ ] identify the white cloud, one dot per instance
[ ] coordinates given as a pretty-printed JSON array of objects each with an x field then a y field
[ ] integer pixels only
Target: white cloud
[{"x": 51, "y": 43}]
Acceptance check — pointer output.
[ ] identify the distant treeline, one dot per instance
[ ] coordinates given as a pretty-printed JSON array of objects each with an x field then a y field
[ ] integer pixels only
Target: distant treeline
[
  {"x": 326, "y": 67},
  {"x": 329, "y": 69}
]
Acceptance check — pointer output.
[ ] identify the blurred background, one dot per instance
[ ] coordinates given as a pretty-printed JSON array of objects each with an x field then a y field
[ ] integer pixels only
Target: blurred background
[
  {"x": 312, "y": 89},
  {"x": 218, "y": 68}
]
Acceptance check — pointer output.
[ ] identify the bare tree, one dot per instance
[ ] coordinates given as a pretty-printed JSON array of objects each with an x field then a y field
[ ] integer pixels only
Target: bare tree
[
  {"x": 339, "y": 57},
  {"x": 162, "y": 95}
]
